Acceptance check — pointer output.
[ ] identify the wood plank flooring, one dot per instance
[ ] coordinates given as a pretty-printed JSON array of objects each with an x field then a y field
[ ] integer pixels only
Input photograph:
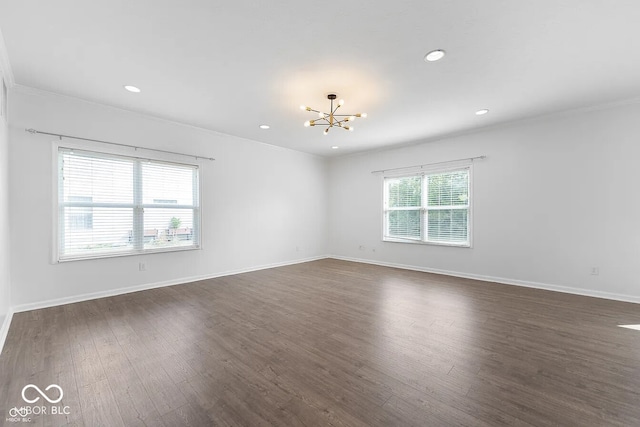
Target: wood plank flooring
[{"x": 329, "y": 343}]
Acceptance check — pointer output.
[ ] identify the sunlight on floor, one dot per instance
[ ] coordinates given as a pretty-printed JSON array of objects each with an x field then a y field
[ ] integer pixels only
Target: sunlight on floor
[{"x": 636, "y": 327}]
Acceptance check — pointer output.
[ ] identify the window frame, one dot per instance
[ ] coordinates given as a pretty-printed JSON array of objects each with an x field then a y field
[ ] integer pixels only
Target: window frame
[
  {"x": 424, "y": 209},
  {"x": 136, "y": 205}
]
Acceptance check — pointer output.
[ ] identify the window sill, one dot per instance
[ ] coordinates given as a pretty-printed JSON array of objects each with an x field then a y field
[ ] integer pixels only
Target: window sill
[
  {"x": 421, "y": 242},
  {"x": 128, "y": 253}
]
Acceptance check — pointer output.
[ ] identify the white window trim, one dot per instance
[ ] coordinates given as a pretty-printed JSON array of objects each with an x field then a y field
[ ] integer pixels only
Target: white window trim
[
  {"x": 441, "y": 169},
  {"x": 116, "y": 151}
]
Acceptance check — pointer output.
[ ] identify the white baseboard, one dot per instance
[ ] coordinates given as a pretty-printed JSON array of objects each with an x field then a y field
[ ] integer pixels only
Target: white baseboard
[
  {"x": 130, "y": 289},
  {"x": 502, "y": 280},
  {"x": 126, "y": 290},
  {"x": 5, "y": 328}
]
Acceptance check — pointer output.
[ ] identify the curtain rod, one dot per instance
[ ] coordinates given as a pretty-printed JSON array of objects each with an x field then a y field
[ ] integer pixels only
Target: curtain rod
[
  {"x": 430, "y": 164},
  {"x": 33, "y": 131}
]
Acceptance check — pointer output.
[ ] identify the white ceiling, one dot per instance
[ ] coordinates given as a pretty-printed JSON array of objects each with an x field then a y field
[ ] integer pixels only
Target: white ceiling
[{"x": 231, "y": 66}]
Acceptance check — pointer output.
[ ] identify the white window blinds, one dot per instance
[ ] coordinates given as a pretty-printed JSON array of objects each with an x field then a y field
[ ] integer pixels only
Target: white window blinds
[
  {"x": 112, "y": 205},
  {"x": 404, "y": 206},
  {"x": 431, "y": 208}
]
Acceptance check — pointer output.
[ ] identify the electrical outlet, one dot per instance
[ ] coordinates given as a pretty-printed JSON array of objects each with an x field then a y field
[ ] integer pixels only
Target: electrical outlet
[
  {"x": 142, "y": 266},
  {"x": 595, "y": 271},
  {"x": 297, "y": 248}
]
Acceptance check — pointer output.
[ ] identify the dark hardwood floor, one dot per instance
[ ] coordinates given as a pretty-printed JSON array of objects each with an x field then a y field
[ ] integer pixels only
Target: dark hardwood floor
[{"x": 329, "y": 343}]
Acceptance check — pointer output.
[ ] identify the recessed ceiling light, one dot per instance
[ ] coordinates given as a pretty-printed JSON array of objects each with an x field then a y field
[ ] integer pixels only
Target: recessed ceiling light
[
  {"x": 335, "y": 147},
  {"x": 264, "y": 126},
  {"x": 132, "y": 89},
  {"x": 434, "y": 55},
  {"x": 482, "y": 112}
]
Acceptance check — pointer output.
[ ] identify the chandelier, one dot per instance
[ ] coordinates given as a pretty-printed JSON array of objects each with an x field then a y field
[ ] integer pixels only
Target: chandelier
[{"x": 332, "y": 119}]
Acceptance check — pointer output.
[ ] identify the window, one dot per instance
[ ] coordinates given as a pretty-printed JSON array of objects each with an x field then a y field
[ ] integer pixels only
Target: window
[
  {"x": 428, "y": 208},
  {"x": 111, "y": 205}
]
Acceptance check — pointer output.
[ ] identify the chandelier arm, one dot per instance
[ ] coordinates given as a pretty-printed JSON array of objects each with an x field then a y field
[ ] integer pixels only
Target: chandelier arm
[{"x": 315, "y": 122}]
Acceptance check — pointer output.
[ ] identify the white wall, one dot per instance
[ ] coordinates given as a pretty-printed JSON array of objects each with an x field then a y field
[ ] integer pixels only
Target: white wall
[
  {"x": 260, "y": 203},
  {"x": 554, "y": 198},
  {"x": 5, "y": 289}
]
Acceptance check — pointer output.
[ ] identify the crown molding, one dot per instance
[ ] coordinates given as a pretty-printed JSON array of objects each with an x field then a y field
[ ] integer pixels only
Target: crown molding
[
  {"x": 540, "y": 118},
  {"x": 29, "y": 90},
  {"x": 5, "y": 65}
]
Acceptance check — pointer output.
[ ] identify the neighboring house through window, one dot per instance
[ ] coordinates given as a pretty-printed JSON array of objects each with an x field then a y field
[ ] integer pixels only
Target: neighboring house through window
[{"x": 80, "y": 217}]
